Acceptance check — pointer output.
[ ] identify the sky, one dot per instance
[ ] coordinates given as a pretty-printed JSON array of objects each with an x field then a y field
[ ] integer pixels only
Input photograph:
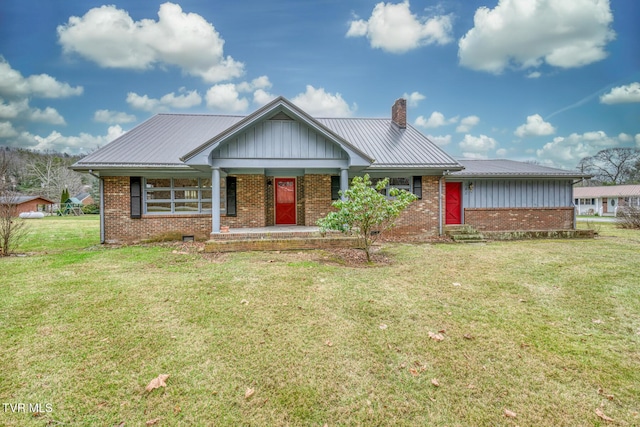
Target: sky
[{"x": 533, "y": 80}]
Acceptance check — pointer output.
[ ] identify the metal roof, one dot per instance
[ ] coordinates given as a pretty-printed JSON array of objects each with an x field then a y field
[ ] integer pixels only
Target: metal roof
[
  {"x": 162, "y": 140},
  {"x": 607, "y": 191},
  {"x": 159, "y": 141},
  {"x": 502, "y": 168},
  {"x": 390, "y": 145}
]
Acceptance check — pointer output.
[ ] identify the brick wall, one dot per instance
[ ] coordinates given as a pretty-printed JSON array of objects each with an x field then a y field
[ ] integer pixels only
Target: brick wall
[
  {"x": 513, "y": 219},
  {"x": 120, "y": 227},
  {"x": 317, "y": 198},
  {"x": 251, "y": 203},
  {"x": 420, "y": 219}
]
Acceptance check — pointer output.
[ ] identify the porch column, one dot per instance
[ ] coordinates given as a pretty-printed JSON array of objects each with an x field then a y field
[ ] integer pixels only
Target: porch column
[
  {"x": 344, "y": 180},
  {"x": 215, "y": 200}
]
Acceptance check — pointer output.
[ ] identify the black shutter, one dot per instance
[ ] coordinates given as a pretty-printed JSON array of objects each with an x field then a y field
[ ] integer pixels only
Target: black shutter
[
  {"x": 417, "y": 186},
  {"x": 335, "y": 187},
  {"x": 231, "y": 196},
  {"x": 136, "y": 196}
]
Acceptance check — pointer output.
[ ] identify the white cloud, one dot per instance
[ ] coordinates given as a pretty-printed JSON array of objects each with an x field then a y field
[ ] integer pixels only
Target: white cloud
[
  {"x": 111, "y": 38},
  {"x": 622, "y": 94},
  {"x": 535, "y": 126},
  {"x": 477, "y": 146},
  {"x": 113, "y": 117},
  {"x": 12, "y": 109},
  {"x": 226, "y": 97},
  {"x": 501, "y": 152},
  {"x": 534, "y": 75},
  {"x": 624, "y": 137},
  {"x": 7, "y": 130},
  {"x": 319, "y": 103},
  {"x": 48, "y": 115},
  {"x": 436, "y": 119},
  {"x": 525, "y": 34},
  {"x": 568, "y": 151},
  {"x": 14, "y": 84},
  {"x": 393, "y": 28},
  {"x": 441, "y": 140},
  {"x": 638, "y": 141},
  {"x": 467, "y": 123},
  {"x": 170, "y": 100},
  {"x": 20, "y": 110},
  {"x": 413, "y": 98},
  {"x": 55, "y": 141},
  {"x": 261, "y": 82},
  {"x": 262, "y": 97}
]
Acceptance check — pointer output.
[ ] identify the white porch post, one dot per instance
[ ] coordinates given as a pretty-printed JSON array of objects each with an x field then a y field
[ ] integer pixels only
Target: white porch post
[
  {"x": 344, "y": 180},
  {"x": 215, "y": 200}
]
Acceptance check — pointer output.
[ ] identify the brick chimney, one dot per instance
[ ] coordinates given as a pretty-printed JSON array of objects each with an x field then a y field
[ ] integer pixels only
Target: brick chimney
[{"x": 399, "y": 113}]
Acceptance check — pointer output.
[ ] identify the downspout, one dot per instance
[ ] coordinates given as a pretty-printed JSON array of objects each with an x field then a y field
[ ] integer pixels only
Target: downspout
[{"x": 101, "y": 205}]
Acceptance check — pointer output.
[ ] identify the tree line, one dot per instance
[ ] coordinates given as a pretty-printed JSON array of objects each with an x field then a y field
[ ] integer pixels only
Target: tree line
[
  {"x": 613, "y": 166},
  {"x": 44, "y": 174}
]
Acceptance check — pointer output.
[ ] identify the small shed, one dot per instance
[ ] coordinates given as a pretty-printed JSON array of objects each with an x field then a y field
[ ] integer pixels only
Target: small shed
[{"x": 28, "y": 203}]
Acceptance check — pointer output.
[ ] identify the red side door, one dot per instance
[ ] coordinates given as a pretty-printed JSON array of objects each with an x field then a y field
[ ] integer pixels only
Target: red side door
[
  {"x": 453, "y": 203},
  {"x": 285, "y": 200}
]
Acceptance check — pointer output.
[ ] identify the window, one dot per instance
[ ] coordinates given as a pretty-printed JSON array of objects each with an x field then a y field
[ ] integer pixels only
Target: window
[
  {"x": 335, "y": 187},
  {"x": 411, "y": 184},
  {"x": 181, "y": 195}
]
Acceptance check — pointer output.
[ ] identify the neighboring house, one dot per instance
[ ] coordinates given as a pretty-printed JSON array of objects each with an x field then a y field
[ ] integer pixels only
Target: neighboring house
[
  {"x": 84, "y": 198},
  {"x": 28, "y": 203},
  {"x": 193, "y": 174},
  {"x": 605, "y": 200}
]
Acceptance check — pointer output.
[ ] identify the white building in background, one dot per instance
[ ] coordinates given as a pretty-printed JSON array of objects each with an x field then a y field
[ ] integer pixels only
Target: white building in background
[{"x": 605, "y": 200}]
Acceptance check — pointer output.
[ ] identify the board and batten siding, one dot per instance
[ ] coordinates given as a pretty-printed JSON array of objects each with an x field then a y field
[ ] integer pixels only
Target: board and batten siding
[
  {"x": 280, "y": 139},
  {"x": 517, "y": 193}
]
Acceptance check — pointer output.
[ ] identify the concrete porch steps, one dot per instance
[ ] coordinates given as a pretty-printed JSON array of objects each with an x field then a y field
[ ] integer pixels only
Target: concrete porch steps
[{"x": 464, "y": 234}]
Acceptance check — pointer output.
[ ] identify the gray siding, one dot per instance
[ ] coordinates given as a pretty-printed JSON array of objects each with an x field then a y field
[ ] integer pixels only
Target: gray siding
[
  {"x": 280, "y": 139},
  {"x": 514, "y": 193}
]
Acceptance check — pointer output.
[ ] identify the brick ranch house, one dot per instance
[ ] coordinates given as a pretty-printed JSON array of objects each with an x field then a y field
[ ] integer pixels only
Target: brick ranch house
[
  {"x": 24, "y": 204},
  {"x": 197, "y": 174}
]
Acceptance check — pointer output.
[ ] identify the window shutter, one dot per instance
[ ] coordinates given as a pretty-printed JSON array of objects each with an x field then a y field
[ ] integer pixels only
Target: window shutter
[
  {"x": 231, "y": 195},
  {"x": 135, "y": 185},
  {"x": 335, "y": 187},
  {"x": 417, "y": 186}
]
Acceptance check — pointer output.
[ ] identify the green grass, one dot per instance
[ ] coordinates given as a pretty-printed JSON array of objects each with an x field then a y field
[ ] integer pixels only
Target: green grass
[{"x": 552, "y": 329}]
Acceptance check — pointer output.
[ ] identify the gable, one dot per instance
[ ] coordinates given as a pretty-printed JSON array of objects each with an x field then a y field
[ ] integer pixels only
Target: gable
[
  {"x": 279, "y": 139},
  {"x": 278, "y": 135}
]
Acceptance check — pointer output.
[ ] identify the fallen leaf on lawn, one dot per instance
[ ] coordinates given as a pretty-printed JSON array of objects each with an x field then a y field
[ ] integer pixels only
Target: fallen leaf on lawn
[
  {"x": 120, "y": 425},
  {"x": 602, "y": 415},
  {"x": 598, "y": 321},
  {"x": 468, "y": 336},
  {"x": 244, "y": 302},
  {"x": 435, "y": 337},
  {"x": 250, "y": 392},
  {"x": 383, "y": 326},
  {"x": 328, "y": 343},
  {"x": 177, "y": 409},
  {"x": 509, "y": 414},
  {"x": 414, "y": 372},
  {"x": 157, "y": 382},
  {"x": 456, "y": 284},
  {"x": 435, "y": 382},
  {"x": 442, "y": 331},
  {"x": 152, "y": 422}
]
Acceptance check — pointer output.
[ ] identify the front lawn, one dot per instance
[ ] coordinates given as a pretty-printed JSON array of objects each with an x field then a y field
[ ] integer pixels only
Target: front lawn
[{"x": 445, "y": 334}]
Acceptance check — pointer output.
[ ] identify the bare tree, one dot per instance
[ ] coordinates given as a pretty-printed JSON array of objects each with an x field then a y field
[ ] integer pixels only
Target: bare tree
[
  {"x": 612, "y": 166},
  {"x": 12, "y": 229},
  {"x": 54, "y": 175}
]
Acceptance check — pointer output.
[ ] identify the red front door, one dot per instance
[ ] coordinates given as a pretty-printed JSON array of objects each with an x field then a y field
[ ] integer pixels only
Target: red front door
[
  {"x": 285, "y": 200},
  {"x": 453, "y": 203}
]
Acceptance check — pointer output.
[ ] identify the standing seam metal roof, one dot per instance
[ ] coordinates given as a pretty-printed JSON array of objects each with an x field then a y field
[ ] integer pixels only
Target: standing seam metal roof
[{"x": 165, "y": 138}]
